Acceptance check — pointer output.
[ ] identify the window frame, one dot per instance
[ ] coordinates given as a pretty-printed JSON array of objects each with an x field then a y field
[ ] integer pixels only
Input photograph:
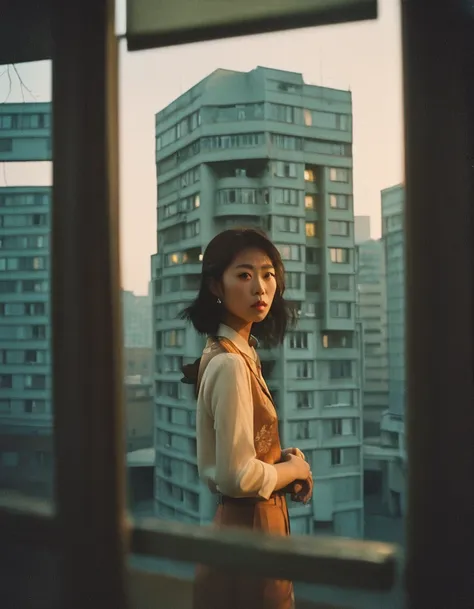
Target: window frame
[{"x": 85, "y": 147}]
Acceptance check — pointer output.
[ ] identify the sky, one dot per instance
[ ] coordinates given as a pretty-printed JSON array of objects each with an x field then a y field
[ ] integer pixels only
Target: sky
[{"x": 363, "y": 57}]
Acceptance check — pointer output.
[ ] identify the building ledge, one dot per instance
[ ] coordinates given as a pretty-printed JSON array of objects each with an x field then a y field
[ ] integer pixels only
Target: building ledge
[{"x": 145, "y": 457}]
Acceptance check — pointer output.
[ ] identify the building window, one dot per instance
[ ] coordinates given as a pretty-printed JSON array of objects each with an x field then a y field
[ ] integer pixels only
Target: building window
[
  {"x": 286, "y": 196},
  {"x": 34, "y": 407},
  {"x": 293, "y": 280},
  {"x": 193, "y": 501},
  {"x": 339, "y": 228},
  {"x": 284, "y": 170},
  {"x": 339, "y": 255},
  {"x": 336, "y": 456},
  {"x": 181, "y": 129},
  {"x": 337, "y": 174},
  {"x": 174, "y": 338},
  {"x": 173, "y": 363},
  {"x": 326, "y": 120},
  {"x": 304, "y": 370},
  {"x": 298, "y": 340},
  {"x": 348, "y": 427},
  {"x": 245, "y": 140},
  {"x": 313, "y": 255},
  {"x": 304, "y": 399},
  {"x": 5, "y": 406},
  {"x": 313, "y": 283},
  {"x": 337, "y": 340},
  {"x": 310, "y": 202},
  {"x": 192, "y": 419},
  {"x": 282, "y": 113},
  {"x": 6, "y": 121},
  {"x": 35, "y": 381},
  {"x": 340, "y": 283},
  {"x": 343, "y": 427},
  {"x": 20, "y": 199},
  {"x": 341, "y": 310},
  {"x": 290, "y": 252},
  {"x": 30, "y": 285},
  {"x": 172, "y": 259},
  {"x": 192, "y": 229},
  {"x": 244, "y": 196},
  {"x": 12, "y": 309},
  {"x": 311, "y": 309},
  {"x": 302, "y": 430},
  {"x": 34, "y": 357},
  {"x": 311, "y": 229},
  {"x": 191, "y": 282},
  {"x": 171, "y": 284},
  {"x": 6, "y": 381},
  {"x": 6, "y": 144},
  {"x": 288, "y": 225},
  {"x": 340, "y": 369},
  {"x": 341, "y": 398},
  {"x": 309, "y": 175},
  {"x": 287, "y": 142},
  {"x": 35, "y": 308}
]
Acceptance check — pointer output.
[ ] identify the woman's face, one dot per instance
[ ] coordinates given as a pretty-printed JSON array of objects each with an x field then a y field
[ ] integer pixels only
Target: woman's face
[{"x": 248, "y": 286}]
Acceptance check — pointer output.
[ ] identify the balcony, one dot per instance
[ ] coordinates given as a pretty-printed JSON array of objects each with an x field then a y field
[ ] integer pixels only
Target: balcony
[
  {"x": 225, "y": 210},
  {"x": 374, "y": 450}
]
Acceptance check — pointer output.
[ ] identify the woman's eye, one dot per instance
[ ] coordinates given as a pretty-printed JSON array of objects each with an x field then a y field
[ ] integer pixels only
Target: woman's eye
[
  {"x": 244, "y": 275},
  {"x": 268, "y": 275}
]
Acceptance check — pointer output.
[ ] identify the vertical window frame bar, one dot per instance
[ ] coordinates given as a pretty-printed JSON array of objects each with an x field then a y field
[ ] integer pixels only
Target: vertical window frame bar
[
  {"x": 86, "y": 311},
  {"x": 438, "y": 64}
]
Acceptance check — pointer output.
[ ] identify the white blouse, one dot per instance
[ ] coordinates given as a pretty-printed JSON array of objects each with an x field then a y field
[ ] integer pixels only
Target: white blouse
[{"x": 226, "y": 454}]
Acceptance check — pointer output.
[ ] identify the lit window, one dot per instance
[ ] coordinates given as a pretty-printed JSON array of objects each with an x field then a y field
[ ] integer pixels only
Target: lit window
[
  {"x": 309, "y": 202},
  {"x": 308, "y": 118},
  {"x": 311, "y": 229}
]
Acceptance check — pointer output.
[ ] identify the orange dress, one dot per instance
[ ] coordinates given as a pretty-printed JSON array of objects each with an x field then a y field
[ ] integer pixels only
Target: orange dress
[{"x": 216, "y": 588}]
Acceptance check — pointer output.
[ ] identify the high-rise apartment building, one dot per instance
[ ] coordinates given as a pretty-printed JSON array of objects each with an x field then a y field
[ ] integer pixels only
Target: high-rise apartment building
[
  {"x": 263, "y": 149},
  {"x": 26, "y": 450},
  {"x": 137, "y": 316},
  {"x": 362, "y": 229},
  {"x": 393, "y": 425},
  {"x": 372, "y": 304}
]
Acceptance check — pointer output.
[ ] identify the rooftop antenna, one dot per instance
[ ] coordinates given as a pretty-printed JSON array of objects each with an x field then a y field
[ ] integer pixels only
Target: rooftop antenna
[
  {"x": 321, "y": 74},
  {"x": 321, "y": 80}
]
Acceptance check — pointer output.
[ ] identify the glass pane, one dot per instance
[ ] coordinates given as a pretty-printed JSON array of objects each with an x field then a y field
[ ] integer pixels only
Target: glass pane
[
  {"x": 273, "y": 148},
  {"x": 26, "y": 442}
]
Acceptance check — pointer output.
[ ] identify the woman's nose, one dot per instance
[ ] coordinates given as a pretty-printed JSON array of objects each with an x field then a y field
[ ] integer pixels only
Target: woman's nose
[{"x": 259, "y": 287}]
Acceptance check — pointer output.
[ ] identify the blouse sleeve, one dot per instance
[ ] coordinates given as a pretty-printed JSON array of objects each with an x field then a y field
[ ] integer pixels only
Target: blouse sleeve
[{"x": 227, "y": 392}]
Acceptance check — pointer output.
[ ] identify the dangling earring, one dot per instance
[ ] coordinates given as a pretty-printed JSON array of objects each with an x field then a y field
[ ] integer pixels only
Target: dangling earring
[{"x": 219, "y": 301}]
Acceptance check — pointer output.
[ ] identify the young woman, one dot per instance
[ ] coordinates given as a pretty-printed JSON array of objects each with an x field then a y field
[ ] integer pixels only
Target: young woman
[{"x": 238, "y": 446}]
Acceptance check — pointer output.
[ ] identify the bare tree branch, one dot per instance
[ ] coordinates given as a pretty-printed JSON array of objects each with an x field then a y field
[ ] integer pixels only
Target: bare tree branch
[
  {"x": 9, "y": 86},
  {"x": 4, "y": 167},
  {"x": 22, "y": 85},
  {"x": 12, "y": 70}
]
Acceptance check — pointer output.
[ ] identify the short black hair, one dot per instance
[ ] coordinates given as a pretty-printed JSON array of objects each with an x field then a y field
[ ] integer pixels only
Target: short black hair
[{"x": 205, "y": 313}]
